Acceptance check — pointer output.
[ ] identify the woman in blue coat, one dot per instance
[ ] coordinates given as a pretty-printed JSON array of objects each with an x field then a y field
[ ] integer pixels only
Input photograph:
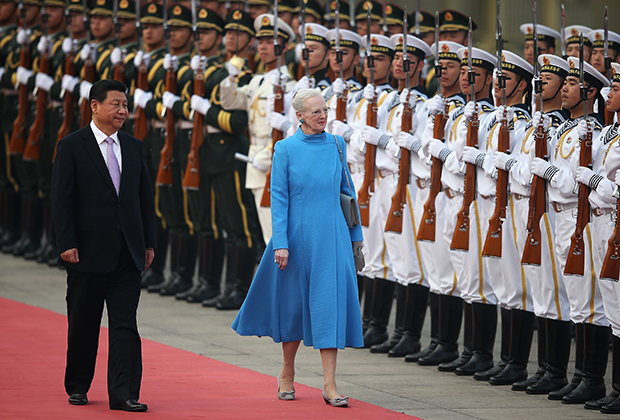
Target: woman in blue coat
[{"x": 310, "y": 292}]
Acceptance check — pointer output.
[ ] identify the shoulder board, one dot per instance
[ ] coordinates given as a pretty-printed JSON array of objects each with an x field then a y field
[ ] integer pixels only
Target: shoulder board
[
  {"x": 209, "y": 71},
  {"x": 597, "y": 123},
  {"x": 456, "y": 101},
  {"x": 610, "y": 134},
  {"x": 327, "y": 92},
  {"x": 566, "y": 126},
  {"x": 323, "y": 84},
  {"x": 457, "y": 112},
  {"x": 557, "y": 118},
  {"x": 486, "y": 107},
  {"x": 521, "y": 114},
  {"x": 394, "y": 102}
]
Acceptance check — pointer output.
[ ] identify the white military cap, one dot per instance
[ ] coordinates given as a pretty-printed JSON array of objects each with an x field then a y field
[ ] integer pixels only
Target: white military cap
[
  {"x": 615, "y": 73},
  {"x": 447, "y": 50},
  {"x": 571, "y": 34},
  {"x": 263, "y": 25},
  {"x": 550, "y": 63},
  {"x": 512, "y": 62},
  {"x": 315, "y": 32},
  {"x": 379, "y": 44},
  {"x": 597, "y": 37},
  {"x": 480, "y": 58},
  {"x": 415, "y": 45},
  {"x": 544, "y": 32},
  {"x": 591, "y": 75},
  {"x": 347, "y": 38}
]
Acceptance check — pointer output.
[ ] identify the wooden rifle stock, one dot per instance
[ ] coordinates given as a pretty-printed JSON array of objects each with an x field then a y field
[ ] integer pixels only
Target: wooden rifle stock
[
  {"x": 611, "y": 263},
  {"x": 119, "y": 72},
  {"x": 191, "y": 180},
  {"x": 140, "y": 128},
  {"x": 532, "y": 251},
  {"x": 426, "y": 231},
  {"x": 33, "y": 145},
  {"x": 89, "y": 76},
  {"x": 368, "y": 185},
  {"x": 276, "y": 136},
  {"x": 17, "y": 143},
  {"x": 575, "y": 260},
  {"x": 68, "y": 103},
  {"x": 460, "y": 238},
  {"x": 493, "y": 242},
  {"x": 164, "y": 172},
  {"x": 394, "y": 221}
]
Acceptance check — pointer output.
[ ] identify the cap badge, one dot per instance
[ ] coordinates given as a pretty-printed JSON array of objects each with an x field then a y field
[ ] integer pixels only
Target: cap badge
[
  {"x": 448, "y": 16},
  {"x": 152, "y": 8}
]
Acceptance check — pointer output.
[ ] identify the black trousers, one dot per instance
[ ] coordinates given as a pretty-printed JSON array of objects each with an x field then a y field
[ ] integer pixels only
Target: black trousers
[{"x": 86, "y": 294}]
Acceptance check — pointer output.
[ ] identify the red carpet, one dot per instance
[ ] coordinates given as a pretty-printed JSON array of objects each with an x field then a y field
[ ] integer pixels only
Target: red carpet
[{"x": 176, "y": 384}]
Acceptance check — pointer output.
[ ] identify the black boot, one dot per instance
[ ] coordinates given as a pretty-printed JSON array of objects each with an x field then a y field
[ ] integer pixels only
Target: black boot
[
  {"x": 521, "y": 334},
  {"x": 579, "y": 355},
  {"x": 596, "y": 352},
  {"x": 433, "y": 303},
  {"x": 11, "y": 213},
  {"x": 367, "y": 306},
  {"x": 610, "y": 399},
  {"x": 382, "y": 299},
  {"x": 542, "y": 357},
  {"x": 558, "y": 352},
  {"x": 31, "y": 226},
  {"x": 233, "y": 264},
  {"x": 484, "y": 318},
  {"x": 415, "y": 312},
  {"x": 175, "y": 262},
  {"x": 45, "y": 238},
  {"x": 360, "y": 287},
  {"x": 468, "y": 340},
  {"x": 401, "y": 308},
  {"x": 188, "y": 250},
  {"x": 450, "y": 318},
  {"x": 155, "y": 273},
  {"x": 504, "y": 354},
  {"x": 247, "y": 259},
  {"x": 210, "y": 254}
]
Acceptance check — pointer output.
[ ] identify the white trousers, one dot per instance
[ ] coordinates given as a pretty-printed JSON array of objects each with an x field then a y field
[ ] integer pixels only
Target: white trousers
[
  {"x": 264, "y": 214},
  {"x": 457, "y": 258},
  {"x": 602, "y": 229}
]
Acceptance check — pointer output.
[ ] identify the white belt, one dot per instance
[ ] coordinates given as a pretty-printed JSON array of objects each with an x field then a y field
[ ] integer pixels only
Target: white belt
[
  {"x": 423, "y": 183},
  {"x": 157, "y": 124},
  {"x": 384, "y": 173},
  {"x": 185, "y": 125},
  {"x": 213, "y": 130},
  {"x": 55, "y": 104},
  {"x": 450, "y": 193},
  {"x": 559, "y": 207},
  {"x": 602, "y": 211},
  {"x": 520, "y": 197},
  {"x": 356, "y": 168}
]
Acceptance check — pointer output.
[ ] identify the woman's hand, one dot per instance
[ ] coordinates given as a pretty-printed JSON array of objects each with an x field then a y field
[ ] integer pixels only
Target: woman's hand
[{"x": 281, "y": 258}]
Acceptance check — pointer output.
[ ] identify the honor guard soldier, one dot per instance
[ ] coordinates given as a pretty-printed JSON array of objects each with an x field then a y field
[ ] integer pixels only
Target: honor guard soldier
[
  {"x": 586, "y": 305},
  {"x": 344, "y": 11},
  {"x": 9, "y": 188},
  {"x": 361, "y": 14},
  {"x": 394, "y": 19},
  {"x": 571, "y": 37},
  {"x": 233, "y": 201},
  {"x": 453, "y": 26},
  {"x": 314, "y": 12},
  {"x": 598, "y": 49},
  {"x": 427, "y": 34},
  {"x": 546, "y": 40},
  {"x": 446, "y": 305},
  {"x": 147, "y": 97},
  {"x": 253, "y": 98},
  {"x": 258, "y": 7}
]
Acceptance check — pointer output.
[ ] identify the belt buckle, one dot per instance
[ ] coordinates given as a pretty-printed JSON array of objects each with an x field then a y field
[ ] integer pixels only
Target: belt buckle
[{"x": 558, "y": 207}]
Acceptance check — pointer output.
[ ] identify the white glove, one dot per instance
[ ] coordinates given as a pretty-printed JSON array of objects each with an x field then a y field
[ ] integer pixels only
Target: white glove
[
  {"x": 44, "y": 46},
  {"x": 116, "y": 56},
  {"x": 588, "y": 177},
  {"x": 303, "y": 83},
  {"x": 371, "y": 135},
  {"x": 403, "y": 98},
  {"x": 141, "y": 97},
  {"x": 546, "y": 121},
  {"x": 85, "y": 89},
  {"x": 169, "y": 99},
  {"x": 69, "y": 82},
  {"x": 338, "y": 86},
  {"x": 369, "y": 92},
  {"x": 43, "y": 81},
  {"x": 338, "y": 128},
  {"x": 196, "y": 63},
  {"x": 471, "y": 154},
  {"x": 617, "y": 177},
  {"x": 436, "y": 105},
  {"x": 171, "y": 62},
  {"x": 200, "y": 104},
  {"x": 232, "y": 69},
  {"x": 582, "y": 129},
  {"x": 88, "y": 51},
  {"x": 503, "y": 161},
  {"x": 468, "y": 111},
  {"x": 69, "y": 45},
  {"x": 407, "y": 141},
  {"x": 2, "y": 71},
  {"x": 277, "y": 78},
  {"x": 438, "y": 149},
  {"x": 543, "y": 169},
  {"x": 141, "y": 58},
  {"x": 499, "y": 113},
  {"x": 23, "y": 36},
  {"x": 23, "y": 75},
  {"x": 279, "y": 122}
]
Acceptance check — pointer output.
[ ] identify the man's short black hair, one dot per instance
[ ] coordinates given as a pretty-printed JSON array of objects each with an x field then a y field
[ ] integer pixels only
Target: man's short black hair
[{"x": 99, "y": 90}]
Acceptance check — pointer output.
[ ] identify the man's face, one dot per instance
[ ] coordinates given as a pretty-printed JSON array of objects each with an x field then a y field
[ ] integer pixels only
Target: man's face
[
  {"x": 179, "y": 36},
  {"x": 101, "y": 26},
  {"x": 397, "y": 66},
  {"x": 232, "y": 44},
  {"x": 208, "y": 38},
  {"x": 428, "y": 37},
  {"x": 383, "y": 64},
  {"x": 55, "y": 16},
  {"x": 361, "y": 26},
  {"x": 77, "y": 23},
  {"x": 449, "y": 73},
  {"x": 613, "y": 99},
  {"x": 110, "y": 115},
  {"x": 7, "y": 10},
  {"x": 266, "y": 50},
  {"x": 258, "y": 9},
  {"x": 481, "y": 77},
  {"x": 317, "y": 54},
  {"x": 551, "y": 83},
  {"x": 511, "y": 82},
  {"x": 152, "y": 34},
  {"x": 570, "y": 93},
  {"x": 128, "y": 28},
  {"x": 572, "y": 50},
  {"x": 598, "y": 58},
  {"x": 543, "y": 48},
  {"x": 460, "y": 37},
  {"x": 349, "y": 56}
]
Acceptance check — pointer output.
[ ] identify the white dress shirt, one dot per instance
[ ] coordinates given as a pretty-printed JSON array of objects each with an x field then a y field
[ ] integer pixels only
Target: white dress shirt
[{"x": 100, "y": 136}]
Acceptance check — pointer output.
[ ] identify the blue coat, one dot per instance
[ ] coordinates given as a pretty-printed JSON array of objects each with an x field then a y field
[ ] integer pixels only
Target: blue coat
[{"x": 315, "y": 298}]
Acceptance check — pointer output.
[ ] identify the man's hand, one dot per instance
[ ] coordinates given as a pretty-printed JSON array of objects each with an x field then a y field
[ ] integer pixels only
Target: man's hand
[
  {"x": 149, "y": 255},
  {"x": 281, "y": 258},
  {"x": 71, "y": 256}
]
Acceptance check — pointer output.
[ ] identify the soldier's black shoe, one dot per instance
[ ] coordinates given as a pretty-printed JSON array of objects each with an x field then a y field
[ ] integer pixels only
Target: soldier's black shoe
[
  {"x": 183, "y": 295},
  {"x": 203, "y": 293},
  {"x": 211, "y": 303},
  {"x": 487, "y": 374},
  {"x": 151, "y": 277},
  {"x": 408, "y": 344},
  {"x": 232, "y": 302},
  {"x": 478, "y": 363},
  {"x": 587, "y": 390},
  {"x": 441, "y": 354},
  {"x": 375, "y": 335},
  {"x": 522, "y": 385},
  {"x": 465, "y": 356},
  {"x": 413, "y": 357},
  {"x": 388, "y": 344},
  {"x": 606, "y": 400},
  {"x": 612, "y": 408},
  {"x": 180, "y": 285},
  {"x": 568, "y": 388},
  {"x": 513, "y": 372}
]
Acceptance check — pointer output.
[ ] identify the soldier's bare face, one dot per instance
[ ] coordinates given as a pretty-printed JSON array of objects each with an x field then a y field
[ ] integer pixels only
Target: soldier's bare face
[
  {"x": 266, "y": 50},
  {"x": 450, "y": 72},
  {"x": 383, "y": 65},
  {"x": 179, "y": 36},
  {"x": 153, "y": 35},
  {"x": 56, "y": 17},
  {"x": 570, "y": 93},
  {"x": 128, "y": 28},
  {"x": 102, "y": 27},
  {"x": 317, "y": 55},
  {"x": 613, "y": 99},
  {"x": 572, "y": 50},
  {"x": 598, "y": 58},
  {"x": 551, "y": 84},
  {"x": 236, "y": 40},
  {"x": 348, "y": 58},
  {"x": 6, "y": 10},
  {"x": 543, "y": 48},
  {"x": 460, "y": 37}
]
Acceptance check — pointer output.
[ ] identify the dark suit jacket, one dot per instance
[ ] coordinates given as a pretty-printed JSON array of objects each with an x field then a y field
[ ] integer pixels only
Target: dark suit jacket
[{"x": 88, "y": 214}]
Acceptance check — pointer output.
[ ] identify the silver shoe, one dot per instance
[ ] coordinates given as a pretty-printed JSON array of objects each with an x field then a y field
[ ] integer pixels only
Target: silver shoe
[
  {"x": 336, "y": 402},
  {"x": 287, "y": 395}
]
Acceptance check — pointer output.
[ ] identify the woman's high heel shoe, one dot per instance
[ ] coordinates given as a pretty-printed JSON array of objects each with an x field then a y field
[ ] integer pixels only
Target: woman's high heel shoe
[
  {"x": 336, "y": 402},
  {"x": 286, "y": 395}
]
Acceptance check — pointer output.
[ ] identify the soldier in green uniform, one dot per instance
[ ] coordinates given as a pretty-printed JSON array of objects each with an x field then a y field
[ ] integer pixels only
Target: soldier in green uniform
[
  {"x": 427, "y": 34},
  {"x": 9, "y": 189},
  {"x": 258, "y": 7},
  {"x": 344, "y": 13},
  {"x": 361, "y": 17},
  {"x": 233, "y": 202}
]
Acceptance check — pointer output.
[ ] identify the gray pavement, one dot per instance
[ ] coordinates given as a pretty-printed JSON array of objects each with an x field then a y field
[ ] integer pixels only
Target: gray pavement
[{"x": 391, "y": 383}]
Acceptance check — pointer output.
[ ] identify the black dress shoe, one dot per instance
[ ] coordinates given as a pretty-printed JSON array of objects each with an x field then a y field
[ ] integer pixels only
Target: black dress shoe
[
  {"x": 478, "y": 363},
  {"x": 612, "y": 407},
  {"x": 441, "y": 354},
  {"x": 513, "y": 372},
  {"x": 456, "y": 363},
  {"x": 179, "y": 285},
  {"x": 422, "y": 353},
  {"x": 232, "y": 302},
  {"x": 485, "y": 375},
  {"x": 598, "y": 404},
  {"x": 549, "y": 383},
  {"x": 78, "y": 399},
  {"x": 131, "y": 405},
  {"x": 586, "y": 391},
  {"x": 568, "y": 388},
  {"x": 202, "y": 294},
  {"x": 522, "y": 385},
  {"x": 211, "y": 303},
  {"x": 388, "y": 344},
  {"x": 408, "y": 344}
]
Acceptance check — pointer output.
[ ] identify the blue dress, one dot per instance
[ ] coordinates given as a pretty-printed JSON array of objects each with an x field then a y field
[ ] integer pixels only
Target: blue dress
[{"x": 315, "y": 298}]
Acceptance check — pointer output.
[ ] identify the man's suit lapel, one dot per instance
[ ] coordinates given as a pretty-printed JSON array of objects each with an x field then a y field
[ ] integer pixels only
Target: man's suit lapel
[{"x": 93, "y": 150}]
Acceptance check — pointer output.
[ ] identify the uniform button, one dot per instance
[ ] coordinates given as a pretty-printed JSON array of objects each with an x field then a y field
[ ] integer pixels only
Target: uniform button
[{"x": 222, "y": 141}]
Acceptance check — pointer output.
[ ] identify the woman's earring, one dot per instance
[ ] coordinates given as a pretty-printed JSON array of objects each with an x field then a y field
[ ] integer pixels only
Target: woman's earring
[{"x": 301, "y": 121}]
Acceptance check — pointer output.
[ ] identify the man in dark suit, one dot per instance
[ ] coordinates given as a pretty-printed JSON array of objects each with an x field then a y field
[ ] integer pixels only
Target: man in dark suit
[{"x": 104, "y": 217}]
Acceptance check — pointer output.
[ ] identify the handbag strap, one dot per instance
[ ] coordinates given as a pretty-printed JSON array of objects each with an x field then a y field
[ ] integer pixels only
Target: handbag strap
[{"x": 343, "y": 167}]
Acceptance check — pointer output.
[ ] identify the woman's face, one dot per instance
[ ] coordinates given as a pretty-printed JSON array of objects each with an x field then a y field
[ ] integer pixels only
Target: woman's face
[{"x": 314, "y": 115}]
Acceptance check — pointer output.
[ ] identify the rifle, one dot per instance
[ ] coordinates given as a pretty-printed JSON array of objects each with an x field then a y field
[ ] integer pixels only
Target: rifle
[
  {"x": 575, "y": 260},
  {"x": 191, "y": 180},
  {"x": 562, "y": 35},
  {"x": 394, "y": 221},
  {"x": 460, "y": 238},
  {"x": 493, "y": 242},
  {"x": 33, "y": 145},
  {"x": 368, "y": 185},
  {"x": 68, "y": 102},
  {"x": 609, "y": 115},
  {"x": 140, "y": 128},
  {"x": 164, "y": 172},
  {"x": 426, "y": 231},
  {"x": 538, "y": 196},
  {"x": 119, "y": 68},
  {"x": 278, "y": 106},
  {"x": 16, "y": 145},
  {"x": 89, "y": 72}
]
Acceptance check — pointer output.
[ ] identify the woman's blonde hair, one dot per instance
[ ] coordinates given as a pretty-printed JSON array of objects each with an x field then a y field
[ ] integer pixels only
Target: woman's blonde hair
[{"x": 301, "y": 96}]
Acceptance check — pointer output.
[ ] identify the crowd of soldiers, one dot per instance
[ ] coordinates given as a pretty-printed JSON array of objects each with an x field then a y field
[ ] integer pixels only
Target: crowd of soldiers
[{"x": 484, "y": 179}]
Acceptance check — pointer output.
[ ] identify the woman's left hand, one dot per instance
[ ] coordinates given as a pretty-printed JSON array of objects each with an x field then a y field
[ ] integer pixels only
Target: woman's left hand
[{"x": 281, "y": 258}]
